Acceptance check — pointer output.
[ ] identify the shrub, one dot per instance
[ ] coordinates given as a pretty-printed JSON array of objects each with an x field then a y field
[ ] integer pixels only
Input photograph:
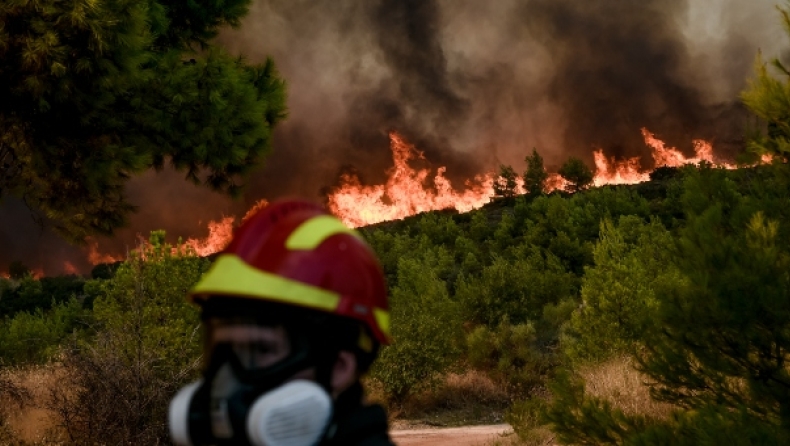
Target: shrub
[
  {"x": 511, "y": 354},
  {"x": 632, "y": 258},
  {"x": 117, "y": 387},
  {"x": 425, "y": 328},
  {"x": 517, "y": 290},
  {"x": 34, "y": 338}
]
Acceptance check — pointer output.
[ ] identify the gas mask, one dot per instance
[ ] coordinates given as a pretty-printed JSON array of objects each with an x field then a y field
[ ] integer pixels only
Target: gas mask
[{"x": 239, "y": 402}]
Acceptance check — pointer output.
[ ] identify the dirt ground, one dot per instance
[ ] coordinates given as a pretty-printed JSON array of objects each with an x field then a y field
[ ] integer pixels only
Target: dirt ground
[{"x": 455, "y": 436}]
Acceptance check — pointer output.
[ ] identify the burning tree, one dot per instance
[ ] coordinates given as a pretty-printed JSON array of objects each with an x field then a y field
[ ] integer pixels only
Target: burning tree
[{"x": 93, "y": 93}]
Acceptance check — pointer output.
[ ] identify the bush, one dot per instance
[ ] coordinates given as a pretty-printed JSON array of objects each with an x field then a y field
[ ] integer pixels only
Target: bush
[
  {"x": 511, "y": 354},
  {"x": 117, "y": 388},
  {"x": 632, "y": 258},
  {"x": 34, "y": 338},
  {"x": 426, "y": 328},
  {"x": 517, "y": 290}
]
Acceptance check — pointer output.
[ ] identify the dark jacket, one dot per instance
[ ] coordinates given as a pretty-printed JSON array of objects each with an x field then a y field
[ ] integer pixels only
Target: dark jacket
[
  {"x": 357, "y": 424},
  {"x": 364, "y": 426}
]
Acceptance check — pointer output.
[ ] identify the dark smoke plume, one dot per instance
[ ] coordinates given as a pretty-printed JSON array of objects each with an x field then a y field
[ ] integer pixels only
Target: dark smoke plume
[{"x": 470, "y": 83}]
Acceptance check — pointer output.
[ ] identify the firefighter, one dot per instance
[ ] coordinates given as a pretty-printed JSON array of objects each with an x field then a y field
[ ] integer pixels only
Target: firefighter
[{"x": 294, "y": 311}]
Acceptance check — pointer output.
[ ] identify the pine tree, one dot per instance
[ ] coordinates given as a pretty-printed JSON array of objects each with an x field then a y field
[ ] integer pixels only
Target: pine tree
[
  {"x": 577, "y": 173},
  {"x": 535, "y": 176},
  {"x": 769, "y": 99},
  {"x": 92, "y": 93},
  {"x": 720, "y": 343},
  {"x": 505, "y": 184}
]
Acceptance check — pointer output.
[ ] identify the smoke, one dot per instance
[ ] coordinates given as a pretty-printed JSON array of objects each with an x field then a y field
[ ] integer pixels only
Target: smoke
[{"x": 472, "y": 84}]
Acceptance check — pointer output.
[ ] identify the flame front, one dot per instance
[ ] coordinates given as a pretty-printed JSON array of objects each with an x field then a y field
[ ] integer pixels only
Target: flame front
[
  {"x": 409, "y": 191},
  {"x": 406, "y": 192},
  {"x": 219, "y": 235}
]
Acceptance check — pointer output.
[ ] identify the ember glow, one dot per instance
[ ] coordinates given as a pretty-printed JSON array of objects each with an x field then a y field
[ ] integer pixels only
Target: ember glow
[
  {"x": 406, "y": 192},
  {"x": 69, "y": 268},
  {"x": 95, "y": 257}
]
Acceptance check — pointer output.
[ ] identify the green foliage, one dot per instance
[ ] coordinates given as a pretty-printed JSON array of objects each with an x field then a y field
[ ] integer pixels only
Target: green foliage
[
  {"x": 513, "y": 290},
  {"x": 577, "y": 173},
  {"x": 505, "y": 183},
  {"x": 30, "y": 294},
  {"x": 92, "y": 93},
  {"x": 577, "y": 418},
  {"x": 146, "y": 346},
  {"x": 769, "y": 99},
  {"x": 535, "y": 176},
  {"x": 426, "y": 327},
  {"x": 717, "y": 344},
  {"x": 632, "y": 258},
  {"x": 34, "y": 338},
  {"x": 526, "y": 417},
  {"x": 512, "y": 353}
]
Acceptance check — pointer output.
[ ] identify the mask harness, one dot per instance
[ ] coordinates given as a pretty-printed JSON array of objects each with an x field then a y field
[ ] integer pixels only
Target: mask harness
[{"x": 259, "y": 407}]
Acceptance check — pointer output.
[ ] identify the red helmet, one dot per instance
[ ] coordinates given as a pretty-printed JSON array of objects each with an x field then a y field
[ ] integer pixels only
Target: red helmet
[{"x": 295, "y": 253}]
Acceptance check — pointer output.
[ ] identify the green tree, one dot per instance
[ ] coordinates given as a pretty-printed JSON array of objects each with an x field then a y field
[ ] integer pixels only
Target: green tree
[
  {"x": 618, "y": 293},
  {"x": 578, "y": 175},
  {"x": 505, "y": 184},
  {"x": 426, "y": 327},
  {"x": 769, "y": 99},
  {"x": 535, "y": 176},
  {"x": 718, "y": 348},
  {"x": 147, "y": 345},
  {"x": 92, "y": 93}
]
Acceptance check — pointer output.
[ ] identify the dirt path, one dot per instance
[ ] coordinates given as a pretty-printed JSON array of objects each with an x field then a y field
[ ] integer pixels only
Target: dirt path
[{"x": 455, "y": 436}]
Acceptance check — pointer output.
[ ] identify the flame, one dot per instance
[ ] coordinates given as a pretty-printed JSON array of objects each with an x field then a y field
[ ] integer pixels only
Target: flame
[
  {"x": 69, "y": 268},
  {"x": 260, "y": 204},
  {"x": 611, "y": 171},
  {"x": 219, "y": 235},
  {"x": 405, "y": 192},
  {"x": 95, "y": 257},
  {"x": 409, "y": 191}
]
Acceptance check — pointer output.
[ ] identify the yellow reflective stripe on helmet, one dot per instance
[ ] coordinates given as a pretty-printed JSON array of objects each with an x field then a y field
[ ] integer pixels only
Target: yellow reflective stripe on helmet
[
  {"x": 230, "y": 275},
  {"x": 383, "y": 320},
  {"x": 311, "y": 233}
]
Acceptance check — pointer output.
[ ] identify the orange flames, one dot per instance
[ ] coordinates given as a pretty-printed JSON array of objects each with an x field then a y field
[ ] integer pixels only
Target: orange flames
[
  {"x": 405, "y": 192},
  {"x": 409, "y": 191},
  {"x": 629, "y": 171},
  {"x": 219, "y": 235},
  {"x": 95, "y": 257},
  {"x": 69, "y": 268}
]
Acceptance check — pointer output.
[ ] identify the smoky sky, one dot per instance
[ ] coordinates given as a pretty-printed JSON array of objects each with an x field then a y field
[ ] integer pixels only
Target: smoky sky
[{"x": 472, "y": 84}]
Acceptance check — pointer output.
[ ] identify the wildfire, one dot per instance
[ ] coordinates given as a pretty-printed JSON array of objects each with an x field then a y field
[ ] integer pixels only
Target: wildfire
[
  {"x": 95, "y": 257},
  {"x": 69, "y": 268},
  {"x": 219, "y": 235},
  {"x": 405, "y": 192},
  {"x": 409, "y": 191},
  {"x": 610, "y": 171}
]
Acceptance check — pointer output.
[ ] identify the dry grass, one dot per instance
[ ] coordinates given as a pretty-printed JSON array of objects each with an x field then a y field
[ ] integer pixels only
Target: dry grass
[
  {"x": 625, "y": 388},
  {"x": 470, "y": 397},
  {"x": 30, "y": 423}
]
